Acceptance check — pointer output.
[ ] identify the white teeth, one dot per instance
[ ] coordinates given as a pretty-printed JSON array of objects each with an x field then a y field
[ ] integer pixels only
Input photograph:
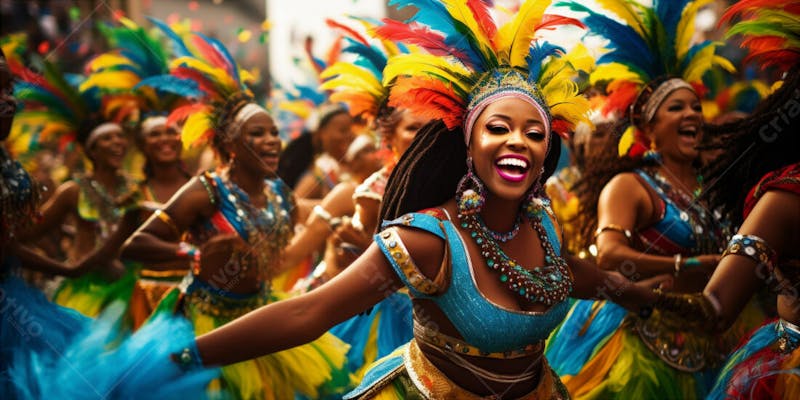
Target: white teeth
[{"x": 512, "y": 162}]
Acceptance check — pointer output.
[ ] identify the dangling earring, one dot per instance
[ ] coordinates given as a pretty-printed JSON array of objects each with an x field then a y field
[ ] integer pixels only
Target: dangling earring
[
  {"x": 652, "y": 155},
  {"x": 533, "y": 201},
  {"x": 470, "y": 194}
]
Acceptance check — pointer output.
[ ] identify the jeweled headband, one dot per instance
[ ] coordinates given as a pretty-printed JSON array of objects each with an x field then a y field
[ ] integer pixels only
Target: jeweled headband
[
  {"x": 498, "y": 84},
  {"x": 653, "y": 101},
  {"x": 248, "y": 111},
  {"x": 100, "y": 130}
]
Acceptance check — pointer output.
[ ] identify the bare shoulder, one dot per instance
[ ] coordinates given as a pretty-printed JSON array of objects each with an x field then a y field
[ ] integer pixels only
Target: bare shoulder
[
  {"x": 194, "y": 197},
  {"x": 625, "y": 187}
]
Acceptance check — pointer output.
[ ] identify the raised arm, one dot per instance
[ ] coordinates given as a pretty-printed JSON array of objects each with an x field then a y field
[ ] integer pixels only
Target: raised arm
[{"x": 299, "y": 320}]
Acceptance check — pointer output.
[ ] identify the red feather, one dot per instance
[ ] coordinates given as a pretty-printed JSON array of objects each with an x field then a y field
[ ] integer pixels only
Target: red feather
[
  {"x": 210, "y": 54},
  {"x": 179, "y": 115},
  {"x": 480, "y": 10},
  {"x": 428, "y": 98},
  {"x": 770, "y": 50},
  {"x": 562, "y": 128},
  {"x": 334, "y": 52},
  {"x": 350, "y": 31},
  {"x": 550, "y": 21},
  {"x": 205, "y": 84},
  {"x": 621, "y": 96},
  {"x": 417, "y": 34},
  {"x": 746, "y": 7}
]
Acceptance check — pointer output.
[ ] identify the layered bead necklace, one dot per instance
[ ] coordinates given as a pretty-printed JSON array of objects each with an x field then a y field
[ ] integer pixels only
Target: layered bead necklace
[{"x": 549, "y": 284}]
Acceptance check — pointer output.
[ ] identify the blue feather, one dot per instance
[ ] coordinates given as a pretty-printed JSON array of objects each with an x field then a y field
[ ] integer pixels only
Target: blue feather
[
  {"x": 434, "y": 14},
  {"x": 538, "y": 53},
  {"x": 171, "y": 84},
  {"x": 179, "y": 47},
  {"x": 311, "y": 94},
  {"x": 691, "y": 53},
  {"x": 628, "y": 47},
  {"x": 216, "y": 44},
  {"x": 370, "y": 55},
  {"x": 25, "y": 92},
  {"x": 669, "y": 13}
]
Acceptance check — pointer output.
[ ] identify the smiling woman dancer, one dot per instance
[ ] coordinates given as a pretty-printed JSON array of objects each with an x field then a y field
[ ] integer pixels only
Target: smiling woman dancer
[
  {"x": 481, "y": 307},
  {"x": 240, "y": 207},
  {"x": 643, "y": 192}
]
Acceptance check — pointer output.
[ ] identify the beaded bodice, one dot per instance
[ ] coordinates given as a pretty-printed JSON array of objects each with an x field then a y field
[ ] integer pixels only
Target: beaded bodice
[
  {"x": 267, "y": 230},
  {"x": 685, "y": 226},
  {"x": 482, "y": 323},
  {"x": 99, "y": 207}
]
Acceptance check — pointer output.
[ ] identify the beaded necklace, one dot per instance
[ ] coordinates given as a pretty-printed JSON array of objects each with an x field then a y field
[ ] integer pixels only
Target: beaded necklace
[
  {"x": 549, "y": 284},
  {"x": 268, "y": 229},
  {"x": 102, "y": 208}
]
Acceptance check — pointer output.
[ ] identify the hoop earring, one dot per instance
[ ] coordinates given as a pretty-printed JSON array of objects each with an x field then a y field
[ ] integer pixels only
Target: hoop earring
[
  {"x": 470, "y": 194},
  {"x": 532, "y": 205}
]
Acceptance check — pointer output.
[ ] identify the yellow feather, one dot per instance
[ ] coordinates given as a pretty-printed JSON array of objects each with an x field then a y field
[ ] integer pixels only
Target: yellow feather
[
  {"x": 345, "y": 74},
  {"x": 710, "y": 109},
  {"x": 702, "y": 61},
  {"x": 580, "y": 59},
  {"x": 626, "y": 141},
  {"x": 128, "y": 23},
  {"x": 513, "y": 39},
  {"x": 219, "y": 76},
  {"x": 613, "y": 71},
  {"x": 426, "y": 65},
  {"x": 115, "y": 80},
  {"x": 196, "y": 125},
  {"x": 624, "y": 9},
  {"x": 685, "y": 30},
  {"x": 459, "y": 11},
  {"x": 298, "y": 107},
  {"x": 107, "y": 60}
]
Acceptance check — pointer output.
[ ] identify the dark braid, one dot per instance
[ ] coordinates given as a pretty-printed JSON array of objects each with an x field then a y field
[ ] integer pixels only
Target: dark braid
[
  {"x": 428, "y": 172},
  {"x": 767, "y": 140},
  {"x": 601, "y": 167}
]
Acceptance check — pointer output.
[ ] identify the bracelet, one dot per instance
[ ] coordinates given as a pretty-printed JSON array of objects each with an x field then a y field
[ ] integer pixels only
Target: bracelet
[
  {"x": 614, "y": 228},
  {"x": 188, "y": 358},
  {"x": 191, "y": 252},
  {"x": 165, "y": 218},
  {"x": 678, "y": 258},
  {"x": 326, "y": 216},
  {"x": 691, "y": 262},
  {"x": 753, "y": 247}
]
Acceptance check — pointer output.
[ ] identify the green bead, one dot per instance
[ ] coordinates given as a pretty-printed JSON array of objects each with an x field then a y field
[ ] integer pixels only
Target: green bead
[
  {"x": 503, "y": 278},
  {"x": 490, "y": 263}
]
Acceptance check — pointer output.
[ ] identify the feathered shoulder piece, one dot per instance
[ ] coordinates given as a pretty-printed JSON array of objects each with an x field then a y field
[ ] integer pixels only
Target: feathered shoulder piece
[
  {"x": 771, "y": 29},
  {"x": 470, "y": 59},
  {"x": 203, "y": 70},
  {"x": 135, "y": 57},
  {"x": 650, "y": 47},
  {"x": 358, "y": 83}
]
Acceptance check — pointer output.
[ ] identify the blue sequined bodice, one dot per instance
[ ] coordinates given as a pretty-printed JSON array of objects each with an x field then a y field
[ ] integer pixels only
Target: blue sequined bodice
[{"x": 480, "y": 322}]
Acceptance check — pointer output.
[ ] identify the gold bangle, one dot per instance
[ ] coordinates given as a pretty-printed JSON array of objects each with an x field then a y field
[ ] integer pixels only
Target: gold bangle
[
  {"x": 165, "y": 218},
  {"x": 614, "y": 228}
]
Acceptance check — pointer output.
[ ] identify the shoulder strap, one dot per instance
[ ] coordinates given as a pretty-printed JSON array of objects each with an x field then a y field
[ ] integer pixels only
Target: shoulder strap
[
  {"x": 421, "y": 220},
  {"x": 548, "y": 222}
]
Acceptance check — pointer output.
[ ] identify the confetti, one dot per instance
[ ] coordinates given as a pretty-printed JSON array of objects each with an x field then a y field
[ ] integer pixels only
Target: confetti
[{"x": 244, "y": 36}]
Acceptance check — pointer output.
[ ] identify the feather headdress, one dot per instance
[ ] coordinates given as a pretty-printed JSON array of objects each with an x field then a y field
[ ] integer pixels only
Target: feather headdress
[
  {"x": 771, "y": 29},
  {"x": 471, "y": 60},
  {"x": 359, "y": 83},
  {"x": 651, "y": 44},
  {"x": 52, "y": 111},
  {"x": 204, "y": 70},
  {"x": 136, "y": 56}
]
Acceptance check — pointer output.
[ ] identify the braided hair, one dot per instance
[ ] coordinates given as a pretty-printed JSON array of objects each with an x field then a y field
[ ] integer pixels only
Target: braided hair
[{"x": 767, "y": 140}]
